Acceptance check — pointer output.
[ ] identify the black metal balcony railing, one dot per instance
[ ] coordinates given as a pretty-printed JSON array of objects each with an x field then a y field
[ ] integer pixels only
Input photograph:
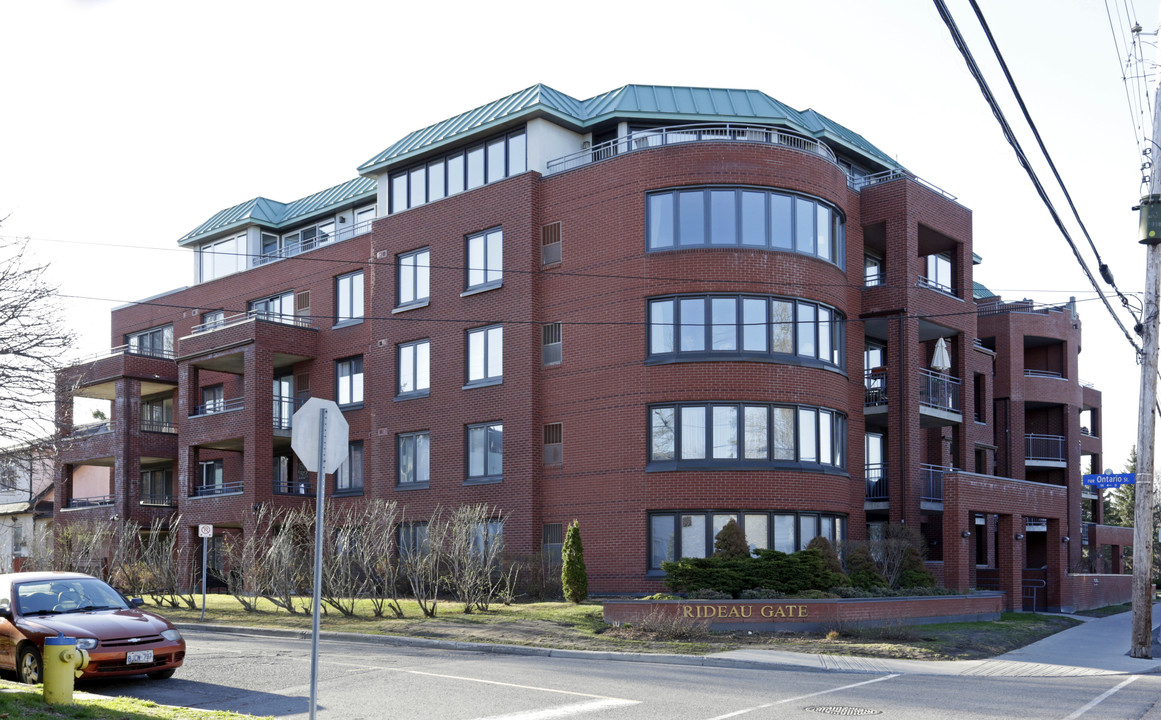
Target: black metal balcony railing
[
  {"x": 875, "y": 279},
  {"x": 284, "y": 408},
  {"x": 228, "y": 488},
  {"x": 712, "y": 132},
  {"x": 931, "y": 482},
  {"x": 939, "y": 391},
  {"x": 293, "y": 487},
  {"x": 876, "y": 478},
  {"x": 1044, "y": 447},
  {"x": 158, "y": 499},
  {"x": 1087, "y": 432},
  {"x": 159, "y": 426},
  {"x": 218, "y": 406},
  {"x": 90, "y": 501},
  {"x": 1084, "y": 531},
  {"x": 875, "y": 382},
  {"x": 1029, "y": 372}
]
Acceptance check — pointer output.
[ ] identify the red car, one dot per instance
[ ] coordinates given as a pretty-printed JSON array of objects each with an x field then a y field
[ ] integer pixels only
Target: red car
[{"x": 120, "y": 638}]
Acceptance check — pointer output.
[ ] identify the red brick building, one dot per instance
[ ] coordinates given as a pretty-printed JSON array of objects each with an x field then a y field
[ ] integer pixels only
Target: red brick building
[{"x": 651, "y": 311}]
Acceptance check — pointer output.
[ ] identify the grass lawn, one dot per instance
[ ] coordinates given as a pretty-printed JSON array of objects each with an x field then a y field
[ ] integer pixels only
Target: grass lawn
[
  {"x": 581, "y": 627},
  {"x": 27, "y": 702}
]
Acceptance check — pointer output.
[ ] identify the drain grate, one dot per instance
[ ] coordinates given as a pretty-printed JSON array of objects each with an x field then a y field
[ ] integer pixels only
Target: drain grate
[{"x": 843, "y": 710}]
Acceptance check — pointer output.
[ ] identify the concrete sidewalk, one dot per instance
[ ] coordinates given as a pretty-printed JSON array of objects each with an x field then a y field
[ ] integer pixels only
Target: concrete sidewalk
[{"x": 1098, "y": 646}]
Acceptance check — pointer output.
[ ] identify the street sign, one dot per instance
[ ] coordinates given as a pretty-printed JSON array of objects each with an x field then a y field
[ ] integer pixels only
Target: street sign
[
  {"x": 304, "y": 435},
  {"x": 205, "y": 531},
  {"x": 1110, "y": 480}
]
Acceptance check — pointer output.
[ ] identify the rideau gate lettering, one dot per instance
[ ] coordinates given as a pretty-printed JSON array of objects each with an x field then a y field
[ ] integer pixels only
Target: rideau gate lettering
[{"x": 725, "y": 612}]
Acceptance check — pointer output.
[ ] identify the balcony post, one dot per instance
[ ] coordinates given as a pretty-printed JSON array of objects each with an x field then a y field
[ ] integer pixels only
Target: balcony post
[
  {"x": 1058, "y": 564},
  {"x": 957, "y": 550},
  {"x": 1010, "y": 560}
]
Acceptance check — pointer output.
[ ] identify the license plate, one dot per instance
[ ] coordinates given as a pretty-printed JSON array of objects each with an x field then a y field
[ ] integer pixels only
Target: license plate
[{"x": 138, "y": 656}]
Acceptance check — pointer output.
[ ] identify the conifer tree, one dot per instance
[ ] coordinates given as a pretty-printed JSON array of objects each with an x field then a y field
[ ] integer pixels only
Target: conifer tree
[
  {"x": 574, "y": 578},
  {"x": 731, "y": 542}
]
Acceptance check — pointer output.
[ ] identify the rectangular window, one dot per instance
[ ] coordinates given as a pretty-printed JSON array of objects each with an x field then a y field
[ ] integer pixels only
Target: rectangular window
[
  {"x": 414, "y": 368},
  {"x": 757, "y": 432},
  {"x": 349, "y": 381},
  {"x": 552, "y": 543},
  {"x": 872, "y": 271},
  {"x": 723, "y": 217},
  {"x": 157, "y": 487},
  {"x": 693, "y": 329},
  {"x": 398, "y": 192},
  {"x": 693, "y": 536},
  {"x": 413, "y": 539},
  {"x": 209, "y": 477},
  {"x": 660, "y": 221},
  {"x": 414, "y": 276},
  {"x": 157, "y": 415},
  {"x": 662, "y": 541},
  {"x": 486, "y": 355},
  {"x": 485, "y": 258},
  {"x": 664, "y": 430},
  {"x": 414, "y": 458},
  {"x": 455, "y": 174},
  {"x": 754, "y": 218},
  {"x": 692, "y": 433},
  {"x": 517, "y": 153},
  {"x": 550, "y": 348},
  {"x": 157, "y": 342},
  {"x": 691, "y": 218},
  {"x": 435, "y": 189},
  {"x": 349, "y": 477},
  {"x": 277, "y": 308},
  {"x": 349, "y": 296},
  {"x": 939, "y": 273},
  {"x": 661, "y": 327},
  {"x": 475, "y": 167},
  {"x": 488, "y": 539},
  {"x": 211, "y": 320},
  {"x": 804, "y": 226},
  {"x": 553, "y": 444},
  {"x": 725, "y": 432},
  {"x": 496, "y": 169},
  {"x": 754, "y": 325},
  {"x": 213, "y": 399},
  {"x": 784, "y": 535},
  {"x": 222, "y": 257},
  {"x": 485, "y": 451}
]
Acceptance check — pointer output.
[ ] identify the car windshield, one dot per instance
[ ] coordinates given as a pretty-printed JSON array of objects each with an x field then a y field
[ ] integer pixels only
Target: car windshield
[{"x": 46, "y": 597}]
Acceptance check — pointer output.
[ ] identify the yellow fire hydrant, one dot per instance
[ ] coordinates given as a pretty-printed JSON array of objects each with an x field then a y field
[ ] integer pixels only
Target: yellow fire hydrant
[{"x": 63, "y": 661}]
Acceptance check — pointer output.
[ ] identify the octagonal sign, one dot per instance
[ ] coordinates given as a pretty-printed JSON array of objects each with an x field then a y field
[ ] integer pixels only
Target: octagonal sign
[{"x": 304, "y": 435}]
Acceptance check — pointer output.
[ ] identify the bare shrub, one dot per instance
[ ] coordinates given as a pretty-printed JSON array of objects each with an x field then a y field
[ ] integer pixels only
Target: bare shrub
[
  {"x": 377, "y": 555},
  {"x": 471, "y": 554},
  {"x": 419, "y": 560},
  {"x": 286, "y": 567},
  {"x": 661, "y": 625},
  {"x": 243, "y": 555}
]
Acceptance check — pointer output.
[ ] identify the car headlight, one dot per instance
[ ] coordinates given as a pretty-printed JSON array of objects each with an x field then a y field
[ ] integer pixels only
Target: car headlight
[
  {"x": 86, "y": 643},
  {"x": 172, "y": 634}
]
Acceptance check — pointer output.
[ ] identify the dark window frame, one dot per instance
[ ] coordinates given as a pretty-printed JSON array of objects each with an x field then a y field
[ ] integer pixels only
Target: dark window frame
[
  {"x": 412, "y": 438},
  {"x": 353, "y": 482},
  {"x": 353, "y": 360},
  {"x": 348, "y": 278},
  {"x": 486, "y": 379},
  {"x": 837, "y": 220},
  {"x": 837, "y": 323},
  {"x": 402, "y": 267},
  {"x": 485, "y": 237},
  {"x": 418, "y": 392},
  {"x": 839, "y": 442},
  {"x": 408, "y": 173},
  {"x": 490, "y": 474}
]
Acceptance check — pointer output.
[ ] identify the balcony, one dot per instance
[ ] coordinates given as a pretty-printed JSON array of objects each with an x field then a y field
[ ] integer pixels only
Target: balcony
[
  {"x": 90, "y": 501},
  {"x": 226, "y": 488},
  {"x": 1029, "y": 372},
  {"x": 308, "y": 244},
  {"x": 876, "y": 479},
  {"x": 284, "y": 409},
  {"x": 931, "y": 483},
  {"x": 875, "y": 384},
  {"x": 926, "y": 282},
  {"x": 158, "y": 500},
  {"x": 1045, "y": 451},
  {"x": 159, "y": 426},
  {"x": 939, "y": 399},
  {"x": 681, "y": 134},
  {"x": 218, "y": 406},
  {"x": 90, "y": 429},
  {"x": 293, "y": 487}
]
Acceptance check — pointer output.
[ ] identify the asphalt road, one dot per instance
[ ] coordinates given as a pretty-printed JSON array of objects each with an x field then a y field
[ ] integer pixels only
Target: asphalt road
[{"x": 271, "y": 676}]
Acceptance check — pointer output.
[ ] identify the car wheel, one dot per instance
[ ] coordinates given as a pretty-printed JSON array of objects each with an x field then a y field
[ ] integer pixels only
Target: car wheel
[
  {"x": 162, "y": 674},
  {"x": 29, "y": 667}
]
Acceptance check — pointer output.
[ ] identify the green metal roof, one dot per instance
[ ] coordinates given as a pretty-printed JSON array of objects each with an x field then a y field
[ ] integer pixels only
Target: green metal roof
[
  {"x": 979, "y": 292},
  {"x": 275, "y": 215},
  {"x": 654, "y": 102}
]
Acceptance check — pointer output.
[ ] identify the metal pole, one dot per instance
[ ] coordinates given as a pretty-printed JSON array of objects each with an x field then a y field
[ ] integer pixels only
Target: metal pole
[
  {"x": 320, "y": 482},
  {"x": 205, "y": 556}
]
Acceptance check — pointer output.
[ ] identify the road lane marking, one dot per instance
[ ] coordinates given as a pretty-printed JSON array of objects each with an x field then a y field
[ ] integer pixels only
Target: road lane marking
[
  {"x": 511, "y": 685},
  {"x": 565, "y": 711},
  {"x": 1100, "y": 698},
  {"x": 803, "y": 697}
]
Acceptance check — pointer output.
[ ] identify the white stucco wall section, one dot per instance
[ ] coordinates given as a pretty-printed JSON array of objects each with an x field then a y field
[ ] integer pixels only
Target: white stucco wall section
[{"x": 548, "y": 141}]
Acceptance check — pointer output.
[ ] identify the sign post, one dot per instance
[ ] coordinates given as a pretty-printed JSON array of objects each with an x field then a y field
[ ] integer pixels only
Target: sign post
[
  {"x": 205, "y": 532},
  {"x": 318, "y": 435}
]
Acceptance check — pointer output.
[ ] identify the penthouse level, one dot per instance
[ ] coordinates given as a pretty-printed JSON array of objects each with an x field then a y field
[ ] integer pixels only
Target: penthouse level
[{"x": 653, "y": 311}]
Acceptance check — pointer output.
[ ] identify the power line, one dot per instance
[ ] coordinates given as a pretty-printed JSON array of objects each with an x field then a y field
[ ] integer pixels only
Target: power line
[
  {"x": 974, "y": 69},
  {"x": 1105, "y": 272}
]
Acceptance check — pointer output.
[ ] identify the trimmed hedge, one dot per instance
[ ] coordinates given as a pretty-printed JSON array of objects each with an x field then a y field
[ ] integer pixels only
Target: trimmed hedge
[{"x": 794, "y": 573}]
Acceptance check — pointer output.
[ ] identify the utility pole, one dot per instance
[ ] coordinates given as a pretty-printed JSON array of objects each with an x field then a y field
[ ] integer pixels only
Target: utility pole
[{"x": 1150, "y": 236}]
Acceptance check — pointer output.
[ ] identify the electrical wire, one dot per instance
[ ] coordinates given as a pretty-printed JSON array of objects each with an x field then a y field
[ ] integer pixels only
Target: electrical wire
[
  {"x": 976, "y": 73},
  {"x": 1103, "y": 267},
  {"x": 1137, "y": 129}
]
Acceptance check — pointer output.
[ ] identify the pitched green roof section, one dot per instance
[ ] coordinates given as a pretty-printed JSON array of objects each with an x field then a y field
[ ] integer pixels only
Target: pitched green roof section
[
  {"x": 979, "y": 292},
  {"x": 274, "y": 215},
  {"x": 678, "y": 105}
]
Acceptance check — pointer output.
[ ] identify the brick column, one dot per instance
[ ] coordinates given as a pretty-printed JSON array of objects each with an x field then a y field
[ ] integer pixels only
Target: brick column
[
  {"x": 1058, "y": 563},
  {"x": 957, "y": 550},
  {"x": 1010, "y": 560}
]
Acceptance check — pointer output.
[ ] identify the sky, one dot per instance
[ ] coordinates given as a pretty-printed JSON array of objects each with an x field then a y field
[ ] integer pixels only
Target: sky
[{"x": 127, "y": 123}]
